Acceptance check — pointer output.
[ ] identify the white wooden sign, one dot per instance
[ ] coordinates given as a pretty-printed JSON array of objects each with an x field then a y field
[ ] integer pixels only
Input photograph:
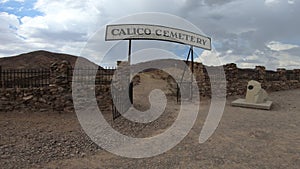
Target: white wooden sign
[{"x": 156, "y": 32}]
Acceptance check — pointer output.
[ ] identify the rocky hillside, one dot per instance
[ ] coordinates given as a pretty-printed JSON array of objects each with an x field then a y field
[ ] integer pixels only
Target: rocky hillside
[{"x": 35, "y": 60}]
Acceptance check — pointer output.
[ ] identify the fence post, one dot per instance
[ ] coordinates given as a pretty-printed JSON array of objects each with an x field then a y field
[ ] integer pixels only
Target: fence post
[
  {"x": 261, "y": 72},
  {"x": 60, "y": 74},
  {"x": 296, "y": 73},
  {"x": 282, "y": 74},
  {"x": 231, "y": 71}
]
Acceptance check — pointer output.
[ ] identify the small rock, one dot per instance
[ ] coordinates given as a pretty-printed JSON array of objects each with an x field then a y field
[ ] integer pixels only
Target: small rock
[
  {"x": 26, "y": 98},
  {"x": 42, "y": 100},
  {"x": 4, "y": 156},
  {"x": 82, "y": 155}
]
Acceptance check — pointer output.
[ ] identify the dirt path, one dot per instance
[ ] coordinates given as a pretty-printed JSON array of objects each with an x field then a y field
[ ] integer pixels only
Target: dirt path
[{"x": 245, "y": 138}]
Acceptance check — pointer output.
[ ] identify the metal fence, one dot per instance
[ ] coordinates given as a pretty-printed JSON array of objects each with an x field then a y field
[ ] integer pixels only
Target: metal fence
[
  {"x": 290, "y": 75},
  {"x": 248, "y": 74},
  {"x": 24, "y": 78},
  {"x": 91, "y": 76},
  {"x": 118, "y": 98},
  {"x": 272, "y": 76},
  {"x": 28, "y": 78}
]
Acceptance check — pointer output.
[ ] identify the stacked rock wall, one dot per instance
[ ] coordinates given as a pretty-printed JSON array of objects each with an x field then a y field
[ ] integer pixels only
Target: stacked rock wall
[
  {"x": 58, "y": 95},
  {"x": 237, "y": 79},
  {"x": 55, "y": 97}
]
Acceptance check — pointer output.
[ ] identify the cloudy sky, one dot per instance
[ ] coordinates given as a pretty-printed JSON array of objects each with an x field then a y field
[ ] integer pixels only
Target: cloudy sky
[{"x": 247, "y": 32}]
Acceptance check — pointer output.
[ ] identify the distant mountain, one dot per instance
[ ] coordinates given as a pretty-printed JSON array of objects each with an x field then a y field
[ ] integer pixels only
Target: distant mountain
[{"x": 36, "y": 60}]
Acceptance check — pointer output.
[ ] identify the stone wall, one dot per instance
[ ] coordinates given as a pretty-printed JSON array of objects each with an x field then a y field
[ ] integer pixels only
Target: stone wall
[
  {"x": 237, "y": 78},
  {"x": 58, "y": 95},
  {"x": 55, "y": 97}
]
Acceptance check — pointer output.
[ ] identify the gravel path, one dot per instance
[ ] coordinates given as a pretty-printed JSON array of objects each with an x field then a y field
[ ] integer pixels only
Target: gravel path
[
  {"x": 30, "y": 139},
  {"x": 245, "y": 138}
]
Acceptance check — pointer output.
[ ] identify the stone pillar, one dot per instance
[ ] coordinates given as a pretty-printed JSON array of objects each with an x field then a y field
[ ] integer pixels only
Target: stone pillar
[
  {"x": 261, "y": 73},
  {"x": 60, "y": 74},
  {"x": 119, "y": 83},
  {"x": 119, "y": 63},
  {"x": 282, "y": 74},
  {"x": 60, "y": 85},
  {"x": 198, "y": 72},
  {"x": 231, "y": 72},
  {"x": 123, "y": 72},
  {"x": 202, "y": 79},
  {"x": 297, "y": 74}
]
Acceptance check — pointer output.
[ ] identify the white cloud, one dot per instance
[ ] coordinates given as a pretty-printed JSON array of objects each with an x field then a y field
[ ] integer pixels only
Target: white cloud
[
  {"x": 274, "y": 2},
  {"x": 278, "y": 46},
  {"x": 73, "y": 16},
  {"x": 249, "y": 61},
  {"x": 63, "y": 27},
  {"x": 270, "y": 2},
  {"x": 8, "y": 20},
  {"x": 248, "y": 32},
  {"x": 4, "y": 1},
  {"x": 291, "y": 1},
  {"x": 229, "y": 51},
  {"x": 210, "y": 58},
  {"x": 69, "y": 24}
]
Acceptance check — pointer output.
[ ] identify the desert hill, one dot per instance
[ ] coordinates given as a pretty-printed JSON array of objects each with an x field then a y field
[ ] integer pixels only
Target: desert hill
[{"x": 36, "y": 60}]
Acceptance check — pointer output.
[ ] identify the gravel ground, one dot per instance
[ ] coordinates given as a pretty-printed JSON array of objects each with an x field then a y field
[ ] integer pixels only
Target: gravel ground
[
  {"x": 245, "y": 138},
  {"x": 30, "y": 139}
]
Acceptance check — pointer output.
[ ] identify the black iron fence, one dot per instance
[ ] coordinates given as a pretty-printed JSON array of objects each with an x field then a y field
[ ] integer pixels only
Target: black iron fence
[
  {"x": 290, "y": 75},
  {"x": 98, "y": 76},
  {"x": 24, "y": 78},
  {"x": 28, "y": 78},
  {"x": 275, "y": 76},
  {"x": 248, "y": 74},
  {"x": 119, "y": 98},
  {"x": 272, "y": 76}
]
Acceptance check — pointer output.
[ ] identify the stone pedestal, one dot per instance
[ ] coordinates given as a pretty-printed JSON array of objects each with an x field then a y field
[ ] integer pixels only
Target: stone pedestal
[
  {"x": 243, "y": 103},
  {"x": 256, "y": 97}
]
